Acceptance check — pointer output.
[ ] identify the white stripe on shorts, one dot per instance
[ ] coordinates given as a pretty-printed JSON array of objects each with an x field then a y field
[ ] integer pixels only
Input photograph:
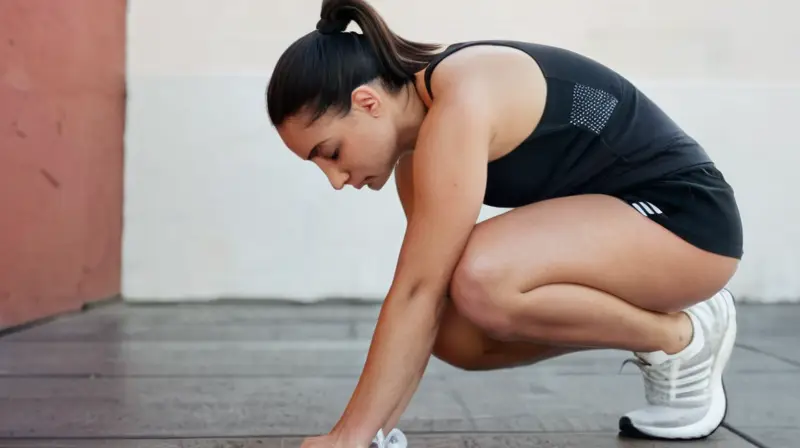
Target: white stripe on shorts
[{"x": 646, "y": 208}]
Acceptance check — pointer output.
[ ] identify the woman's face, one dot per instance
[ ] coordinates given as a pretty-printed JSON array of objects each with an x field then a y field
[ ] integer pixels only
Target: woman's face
[{"x": 358, "y": 149}]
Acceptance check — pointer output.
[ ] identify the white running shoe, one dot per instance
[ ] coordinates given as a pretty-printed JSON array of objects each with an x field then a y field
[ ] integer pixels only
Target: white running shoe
[
  {"x": 395, "y": 439},
  {"x": 685, "y": 392}
]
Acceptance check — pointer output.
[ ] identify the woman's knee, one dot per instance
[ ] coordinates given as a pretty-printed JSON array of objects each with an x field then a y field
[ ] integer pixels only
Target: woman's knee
[{"x": 479, "y": 291}]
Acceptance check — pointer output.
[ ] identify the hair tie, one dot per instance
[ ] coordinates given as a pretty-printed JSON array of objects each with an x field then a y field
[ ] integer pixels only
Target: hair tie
[{"x": 331, "y": 26}]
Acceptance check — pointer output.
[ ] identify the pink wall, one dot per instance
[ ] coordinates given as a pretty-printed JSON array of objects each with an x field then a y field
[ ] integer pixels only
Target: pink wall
[{"x": 62, "y": 106}]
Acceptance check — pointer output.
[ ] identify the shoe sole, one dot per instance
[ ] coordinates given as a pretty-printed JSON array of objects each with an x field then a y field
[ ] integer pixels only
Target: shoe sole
[{"x": 716, "y": 415}]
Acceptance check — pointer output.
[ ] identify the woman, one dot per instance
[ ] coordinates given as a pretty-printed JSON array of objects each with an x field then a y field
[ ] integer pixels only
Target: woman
[{"x": 622, "y": 233}]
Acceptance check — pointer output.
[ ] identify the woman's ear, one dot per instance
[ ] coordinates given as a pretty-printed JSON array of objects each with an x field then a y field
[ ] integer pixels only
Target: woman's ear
[{"x": 368, "y": 100}]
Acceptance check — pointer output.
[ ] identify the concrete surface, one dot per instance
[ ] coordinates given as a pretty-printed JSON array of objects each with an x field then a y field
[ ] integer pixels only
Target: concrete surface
[{"x": 251, "y": 375}]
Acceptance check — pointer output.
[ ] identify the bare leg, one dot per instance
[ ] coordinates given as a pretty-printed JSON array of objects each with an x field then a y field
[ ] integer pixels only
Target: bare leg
[
  {"x": 591, "y": 271},
  {"x": 585, "y": 271},
  {"x": 570, "y": 314},
  {"x": 463, "y": 344}
]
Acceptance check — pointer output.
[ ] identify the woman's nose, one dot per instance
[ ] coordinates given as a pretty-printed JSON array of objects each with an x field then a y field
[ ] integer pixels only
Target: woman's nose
[{"x": 336, "y": 177}]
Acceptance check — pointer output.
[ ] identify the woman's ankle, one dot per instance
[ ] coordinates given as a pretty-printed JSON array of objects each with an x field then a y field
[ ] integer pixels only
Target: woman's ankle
[{"x": 679, "y": 333}]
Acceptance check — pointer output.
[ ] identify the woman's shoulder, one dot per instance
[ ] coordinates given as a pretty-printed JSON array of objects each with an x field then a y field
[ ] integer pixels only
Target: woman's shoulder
[
  {"x": 501, "y": 83},
  {"x": 476, "y": 68}
]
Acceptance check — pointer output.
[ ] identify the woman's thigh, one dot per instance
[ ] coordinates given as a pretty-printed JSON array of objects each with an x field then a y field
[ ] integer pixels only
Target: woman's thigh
[{"x": 593, "y": 240}]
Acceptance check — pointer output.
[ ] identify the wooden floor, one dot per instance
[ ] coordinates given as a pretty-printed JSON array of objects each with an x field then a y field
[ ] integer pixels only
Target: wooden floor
[{"x": 265, "y": 375}]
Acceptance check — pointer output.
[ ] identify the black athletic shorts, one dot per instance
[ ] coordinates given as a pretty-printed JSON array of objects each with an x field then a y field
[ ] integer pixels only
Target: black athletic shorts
[{"x": 697, "y": 204}]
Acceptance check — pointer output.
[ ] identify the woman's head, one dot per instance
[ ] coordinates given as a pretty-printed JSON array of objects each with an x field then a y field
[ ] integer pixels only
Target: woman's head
[{"x": 346, "y": 100}]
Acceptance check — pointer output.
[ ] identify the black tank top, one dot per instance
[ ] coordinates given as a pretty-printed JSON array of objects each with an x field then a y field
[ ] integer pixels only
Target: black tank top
[{"x": 598, "y": 134}]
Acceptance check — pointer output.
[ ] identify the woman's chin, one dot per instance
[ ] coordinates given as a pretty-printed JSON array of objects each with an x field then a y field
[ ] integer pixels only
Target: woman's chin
[{"x": 378, "y": 182}]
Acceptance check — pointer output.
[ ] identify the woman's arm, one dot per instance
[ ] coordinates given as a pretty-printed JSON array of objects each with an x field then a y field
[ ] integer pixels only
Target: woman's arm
[
  {"x": 449, "y": 177},
  {"x": 403, "y": 176},
  {"x": 404, "y": 181}
]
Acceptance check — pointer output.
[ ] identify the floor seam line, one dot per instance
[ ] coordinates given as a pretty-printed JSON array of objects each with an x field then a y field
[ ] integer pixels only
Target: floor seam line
[
  {"x": 743, "y": 435},
  {"x": 766, "y": 353}
]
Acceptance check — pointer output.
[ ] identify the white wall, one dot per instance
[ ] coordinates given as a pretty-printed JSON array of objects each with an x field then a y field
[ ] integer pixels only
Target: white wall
[{"x": 216, "y": 207}]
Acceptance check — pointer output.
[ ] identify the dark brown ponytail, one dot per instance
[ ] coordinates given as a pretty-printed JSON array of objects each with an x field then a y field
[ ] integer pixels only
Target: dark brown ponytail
[{"x": 320, "y": 70}]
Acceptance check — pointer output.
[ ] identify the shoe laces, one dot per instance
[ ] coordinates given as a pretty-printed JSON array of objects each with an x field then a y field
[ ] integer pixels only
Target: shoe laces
[
  {"x": 659, "y": 380},
  {"x": 663, "y": 384}
]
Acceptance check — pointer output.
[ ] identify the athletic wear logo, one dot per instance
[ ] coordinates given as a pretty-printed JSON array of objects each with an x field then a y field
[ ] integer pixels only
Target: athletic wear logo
[
  {"x": 646, "y": 208},
  {"x": 591, "y": 108}
]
